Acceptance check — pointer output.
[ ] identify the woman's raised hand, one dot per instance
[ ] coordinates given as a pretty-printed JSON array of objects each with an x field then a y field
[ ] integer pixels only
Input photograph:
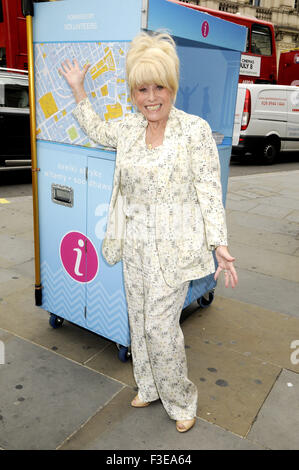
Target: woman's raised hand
[{"x": 74, "y": 77}]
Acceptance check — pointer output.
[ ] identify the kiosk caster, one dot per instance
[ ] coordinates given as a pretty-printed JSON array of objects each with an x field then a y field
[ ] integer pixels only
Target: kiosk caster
[
  {"x": 124, "y": 353},
  {"x": 206, "y": 299},
  {"x": 55, "y": 321}
]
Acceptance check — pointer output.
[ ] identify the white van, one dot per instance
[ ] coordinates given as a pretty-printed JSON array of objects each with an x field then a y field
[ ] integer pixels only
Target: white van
[{"x": 268, "y": 122}]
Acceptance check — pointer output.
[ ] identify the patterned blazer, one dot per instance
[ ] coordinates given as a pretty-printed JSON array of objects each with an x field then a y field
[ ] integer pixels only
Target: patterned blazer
[{"x": 190, "y": 218}]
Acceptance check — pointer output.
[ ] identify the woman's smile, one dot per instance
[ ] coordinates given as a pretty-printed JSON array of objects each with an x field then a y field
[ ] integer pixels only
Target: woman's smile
[{"x": 153, "y": 107}]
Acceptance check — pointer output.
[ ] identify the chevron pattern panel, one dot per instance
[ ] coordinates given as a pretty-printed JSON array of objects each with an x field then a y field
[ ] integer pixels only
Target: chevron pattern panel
[
  {"x": 199, "y": 287},
  {"x": 188, "y": 296},
  {"x": 62, "y": 296},
  {"x": 107, "y": 312}
]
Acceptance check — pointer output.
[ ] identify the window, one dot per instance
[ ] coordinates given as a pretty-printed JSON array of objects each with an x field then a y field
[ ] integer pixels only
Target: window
[
  {"x": 14, "y": 96},
  {"x": 248, "y": 42},
  {"x": 261, "y": 40},
  {"x": 1, "y": 12},
  {"x": 228, "y": 6}
]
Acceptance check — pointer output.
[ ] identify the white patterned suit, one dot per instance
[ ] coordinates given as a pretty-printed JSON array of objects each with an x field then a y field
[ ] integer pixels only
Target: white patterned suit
[{"x": 165, "y": 218}]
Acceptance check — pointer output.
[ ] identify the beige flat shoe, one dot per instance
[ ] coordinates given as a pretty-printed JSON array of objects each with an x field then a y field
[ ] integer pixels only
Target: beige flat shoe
[
  {"x": 137, "y": 403},
  {"x": 184, "y": 426}
]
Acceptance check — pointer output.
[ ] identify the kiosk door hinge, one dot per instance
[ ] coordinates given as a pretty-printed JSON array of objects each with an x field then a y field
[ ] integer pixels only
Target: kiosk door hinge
[
  {"x": 85, "y": 311},
  {"x": 85, "y": 245},
  {"x": 86, "y": 173}
]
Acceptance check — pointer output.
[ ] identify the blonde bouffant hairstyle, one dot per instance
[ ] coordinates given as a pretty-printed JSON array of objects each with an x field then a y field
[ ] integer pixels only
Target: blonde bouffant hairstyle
[{"x": 152, "y": 58}]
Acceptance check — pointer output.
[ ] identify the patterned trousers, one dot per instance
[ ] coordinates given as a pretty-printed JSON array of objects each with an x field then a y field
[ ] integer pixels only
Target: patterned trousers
[{"x": 157, "y": 342}]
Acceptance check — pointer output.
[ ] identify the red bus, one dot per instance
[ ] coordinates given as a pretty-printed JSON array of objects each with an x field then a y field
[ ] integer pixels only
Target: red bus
[
  {"x": 259, "y": 62},
  {"x": 13, "y": 40},
  {"x": 288, "y": 71}
]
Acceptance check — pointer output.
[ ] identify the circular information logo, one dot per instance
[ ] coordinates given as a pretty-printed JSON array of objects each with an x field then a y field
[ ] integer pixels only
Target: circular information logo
[
  {"x": 79, "y": 257},
  {"x": 205, "y": 29}
]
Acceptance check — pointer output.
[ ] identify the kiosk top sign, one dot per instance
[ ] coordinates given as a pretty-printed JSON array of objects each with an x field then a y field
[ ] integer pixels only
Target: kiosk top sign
[{"x": 89, "y": 20}]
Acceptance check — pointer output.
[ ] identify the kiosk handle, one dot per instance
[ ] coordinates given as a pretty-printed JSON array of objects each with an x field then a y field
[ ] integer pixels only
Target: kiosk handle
[{"x": 63, "y": 195}]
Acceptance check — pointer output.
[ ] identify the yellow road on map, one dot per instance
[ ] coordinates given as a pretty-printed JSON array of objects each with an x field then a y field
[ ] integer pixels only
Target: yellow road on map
[
  {"x": 104, "y": 65},
  {"x": 114, "y": 111}
]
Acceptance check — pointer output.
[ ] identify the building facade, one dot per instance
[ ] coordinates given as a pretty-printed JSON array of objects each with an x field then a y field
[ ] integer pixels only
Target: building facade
[{"x": 283, "y": 14}]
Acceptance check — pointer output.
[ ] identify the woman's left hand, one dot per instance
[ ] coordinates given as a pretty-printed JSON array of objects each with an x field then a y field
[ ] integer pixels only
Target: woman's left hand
[{"x": 225, "y": 264}]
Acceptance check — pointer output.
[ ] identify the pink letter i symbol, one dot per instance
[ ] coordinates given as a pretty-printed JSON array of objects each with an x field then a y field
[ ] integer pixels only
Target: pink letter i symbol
[{"x": 78, "y": 259}]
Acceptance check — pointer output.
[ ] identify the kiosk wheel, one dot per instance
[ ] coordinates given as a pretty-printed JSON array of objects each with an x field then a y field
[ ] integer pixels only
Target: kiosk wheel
[
  {"x": 206, "y": 300},
  {"x": 124, "y": 353},
  {"x": 55, "y": 321}
]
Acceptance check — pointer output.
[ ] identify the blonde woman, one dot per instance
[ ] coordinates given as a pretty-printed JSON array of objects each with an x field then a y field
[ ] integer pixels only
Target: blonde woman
[{"x": 167, "y": 181}]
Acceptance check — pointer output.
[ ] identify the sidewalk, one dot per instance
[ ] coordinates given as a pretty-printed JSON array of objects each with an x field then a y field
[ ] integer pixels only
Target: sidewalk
[{"x": 66, "y": 388}]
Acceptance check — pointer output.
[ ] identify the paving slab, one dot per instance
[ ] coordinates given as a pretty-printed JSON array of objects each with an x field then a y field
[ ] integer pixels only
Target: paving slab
[
  {"x": 22, "y": 204},
  {"x": 20, "y": 316},
  {"x": 231, "y": 387},
  {"x": 259, "y": 222},
  {"x": 12, "y": 252},
  {"x": 119, "y": 426},
  {"x": 234, "y": 202},
  {"x": 232, "y": 383},
  {"x": 280, "y": 179},
  {"x": 106, "y": 362},
  {"x": 11, "y": 281},
  {"x": 46, "y": 397},
  {"x": 26, "y": 270},
  {"x": 266, "y": 261},
  {"x": 247, "y": 329},
  {"x": 291, "y": 192},
  {"x": 14, "y": 218},
  {"x": 269, "y": 208},
  {"x": 293, "y": 216},
  {"x": 257, "y": 237},
  {"x": 277, "y": 424},
  {"x": 263, "y": 290},
  {"x": 280, "y": 202}
]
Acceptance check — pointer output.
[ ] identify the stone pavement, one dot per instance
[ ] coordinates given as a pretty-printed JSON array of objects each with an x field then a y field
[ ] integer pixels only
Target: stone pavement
[{"x": 66, "y": 389}]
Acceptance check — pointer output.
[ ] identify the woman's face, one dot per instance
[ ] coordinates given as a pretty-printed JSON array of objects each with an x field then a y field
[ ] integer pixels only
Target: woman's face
[{"x": 153, "y": 101}]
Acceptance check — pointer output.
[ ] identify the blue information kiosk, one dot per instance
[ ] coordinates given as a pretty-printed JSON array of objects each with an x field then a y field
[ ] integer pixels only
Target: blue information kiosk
[{"x": 75, "y": 176}]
